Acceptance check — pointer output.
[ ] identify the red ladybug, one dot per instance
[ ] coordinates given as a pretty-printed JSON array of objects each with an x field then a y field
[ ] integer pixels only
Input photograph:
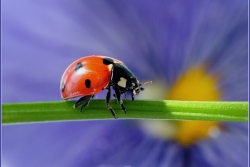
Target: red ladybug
[{"x": 90, "y": 75}]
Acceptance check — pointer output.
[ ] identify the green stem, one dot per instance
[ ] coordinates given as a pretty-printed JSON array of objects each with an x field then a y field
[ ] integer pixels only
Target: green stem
[{"x": 139, "y": 109}]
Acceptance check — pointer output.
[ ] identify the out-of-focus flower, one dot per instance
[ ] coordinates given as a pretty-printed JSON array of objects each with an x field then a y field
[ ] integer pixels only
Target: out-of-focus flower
[{"x": 191, "y": 50}]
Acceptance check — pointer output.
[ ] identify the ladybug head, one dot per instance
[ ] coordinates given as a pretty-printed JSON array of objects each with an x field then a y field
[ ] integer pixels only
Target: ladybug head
[{"x": 135, "y": 87}]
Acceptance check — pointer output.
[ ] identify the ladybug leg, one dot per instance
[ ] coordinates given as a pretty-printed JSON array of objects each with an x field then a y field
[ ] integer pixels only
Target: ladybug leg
[
  {"x": 107, "y": 104},
  {"x": 132, "y": 95},
  {"x": 118, "y": 98},
  {"x": 84, "y": 101}
]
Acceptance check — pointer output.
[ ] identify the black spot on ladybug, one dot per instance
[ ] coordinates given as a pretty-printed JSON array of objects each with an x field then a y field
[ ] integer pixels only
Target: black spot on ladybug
[
  {"x": 79, "y": 65},
  {"x": 108, "y": 61},
  {"x": 87, "y": 83},
  {"x": 62, "y": 86}
]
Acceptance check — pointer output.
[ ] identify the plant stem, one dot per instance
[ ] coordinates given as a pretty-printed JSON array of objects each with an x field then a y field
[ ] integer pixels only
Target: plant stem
[{"x": 139, "y": 109}]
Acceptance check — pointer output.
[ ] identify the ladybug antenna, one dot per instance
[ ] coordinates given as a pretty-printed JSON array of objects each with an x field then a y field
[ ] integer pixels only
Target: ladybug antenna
[
  {"x": 140, "y": 88},
  {"x": 148, "y": 82}
]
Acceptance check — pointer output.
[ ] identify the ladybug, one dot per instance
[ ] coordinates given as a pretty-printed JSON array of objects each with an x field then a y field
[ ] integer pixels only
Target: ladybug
[{"x": 90, "y": 75}]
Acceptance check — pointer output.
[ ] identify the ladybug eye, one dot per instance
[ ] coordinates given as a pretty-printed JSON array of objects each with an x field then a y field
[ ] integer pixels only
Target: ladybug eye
[{"x": 137, "y": 91}]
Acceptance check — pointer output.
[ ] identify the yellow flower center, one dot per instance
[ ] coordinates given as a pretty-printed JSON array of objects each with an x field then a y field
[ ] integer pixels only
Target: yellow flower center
[{"x": 195, "y": 84}]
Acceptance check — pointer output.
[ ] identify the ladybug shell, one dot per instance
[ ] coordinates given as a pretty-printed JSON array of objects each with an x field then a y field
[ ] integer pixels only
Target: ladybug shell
[{"x": 86, "y": 76}]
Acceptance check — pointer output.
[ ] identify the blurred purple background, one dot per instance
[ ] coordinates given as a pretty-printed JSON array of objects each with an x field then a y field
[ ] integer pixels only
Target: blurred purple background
[{"x": 157, "y": 40}]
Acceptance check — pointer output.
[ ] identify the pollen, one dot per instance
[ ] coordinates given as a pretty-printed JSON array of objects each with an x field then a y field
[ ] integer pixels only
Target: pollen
[{"x": 195, "y": 84}]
